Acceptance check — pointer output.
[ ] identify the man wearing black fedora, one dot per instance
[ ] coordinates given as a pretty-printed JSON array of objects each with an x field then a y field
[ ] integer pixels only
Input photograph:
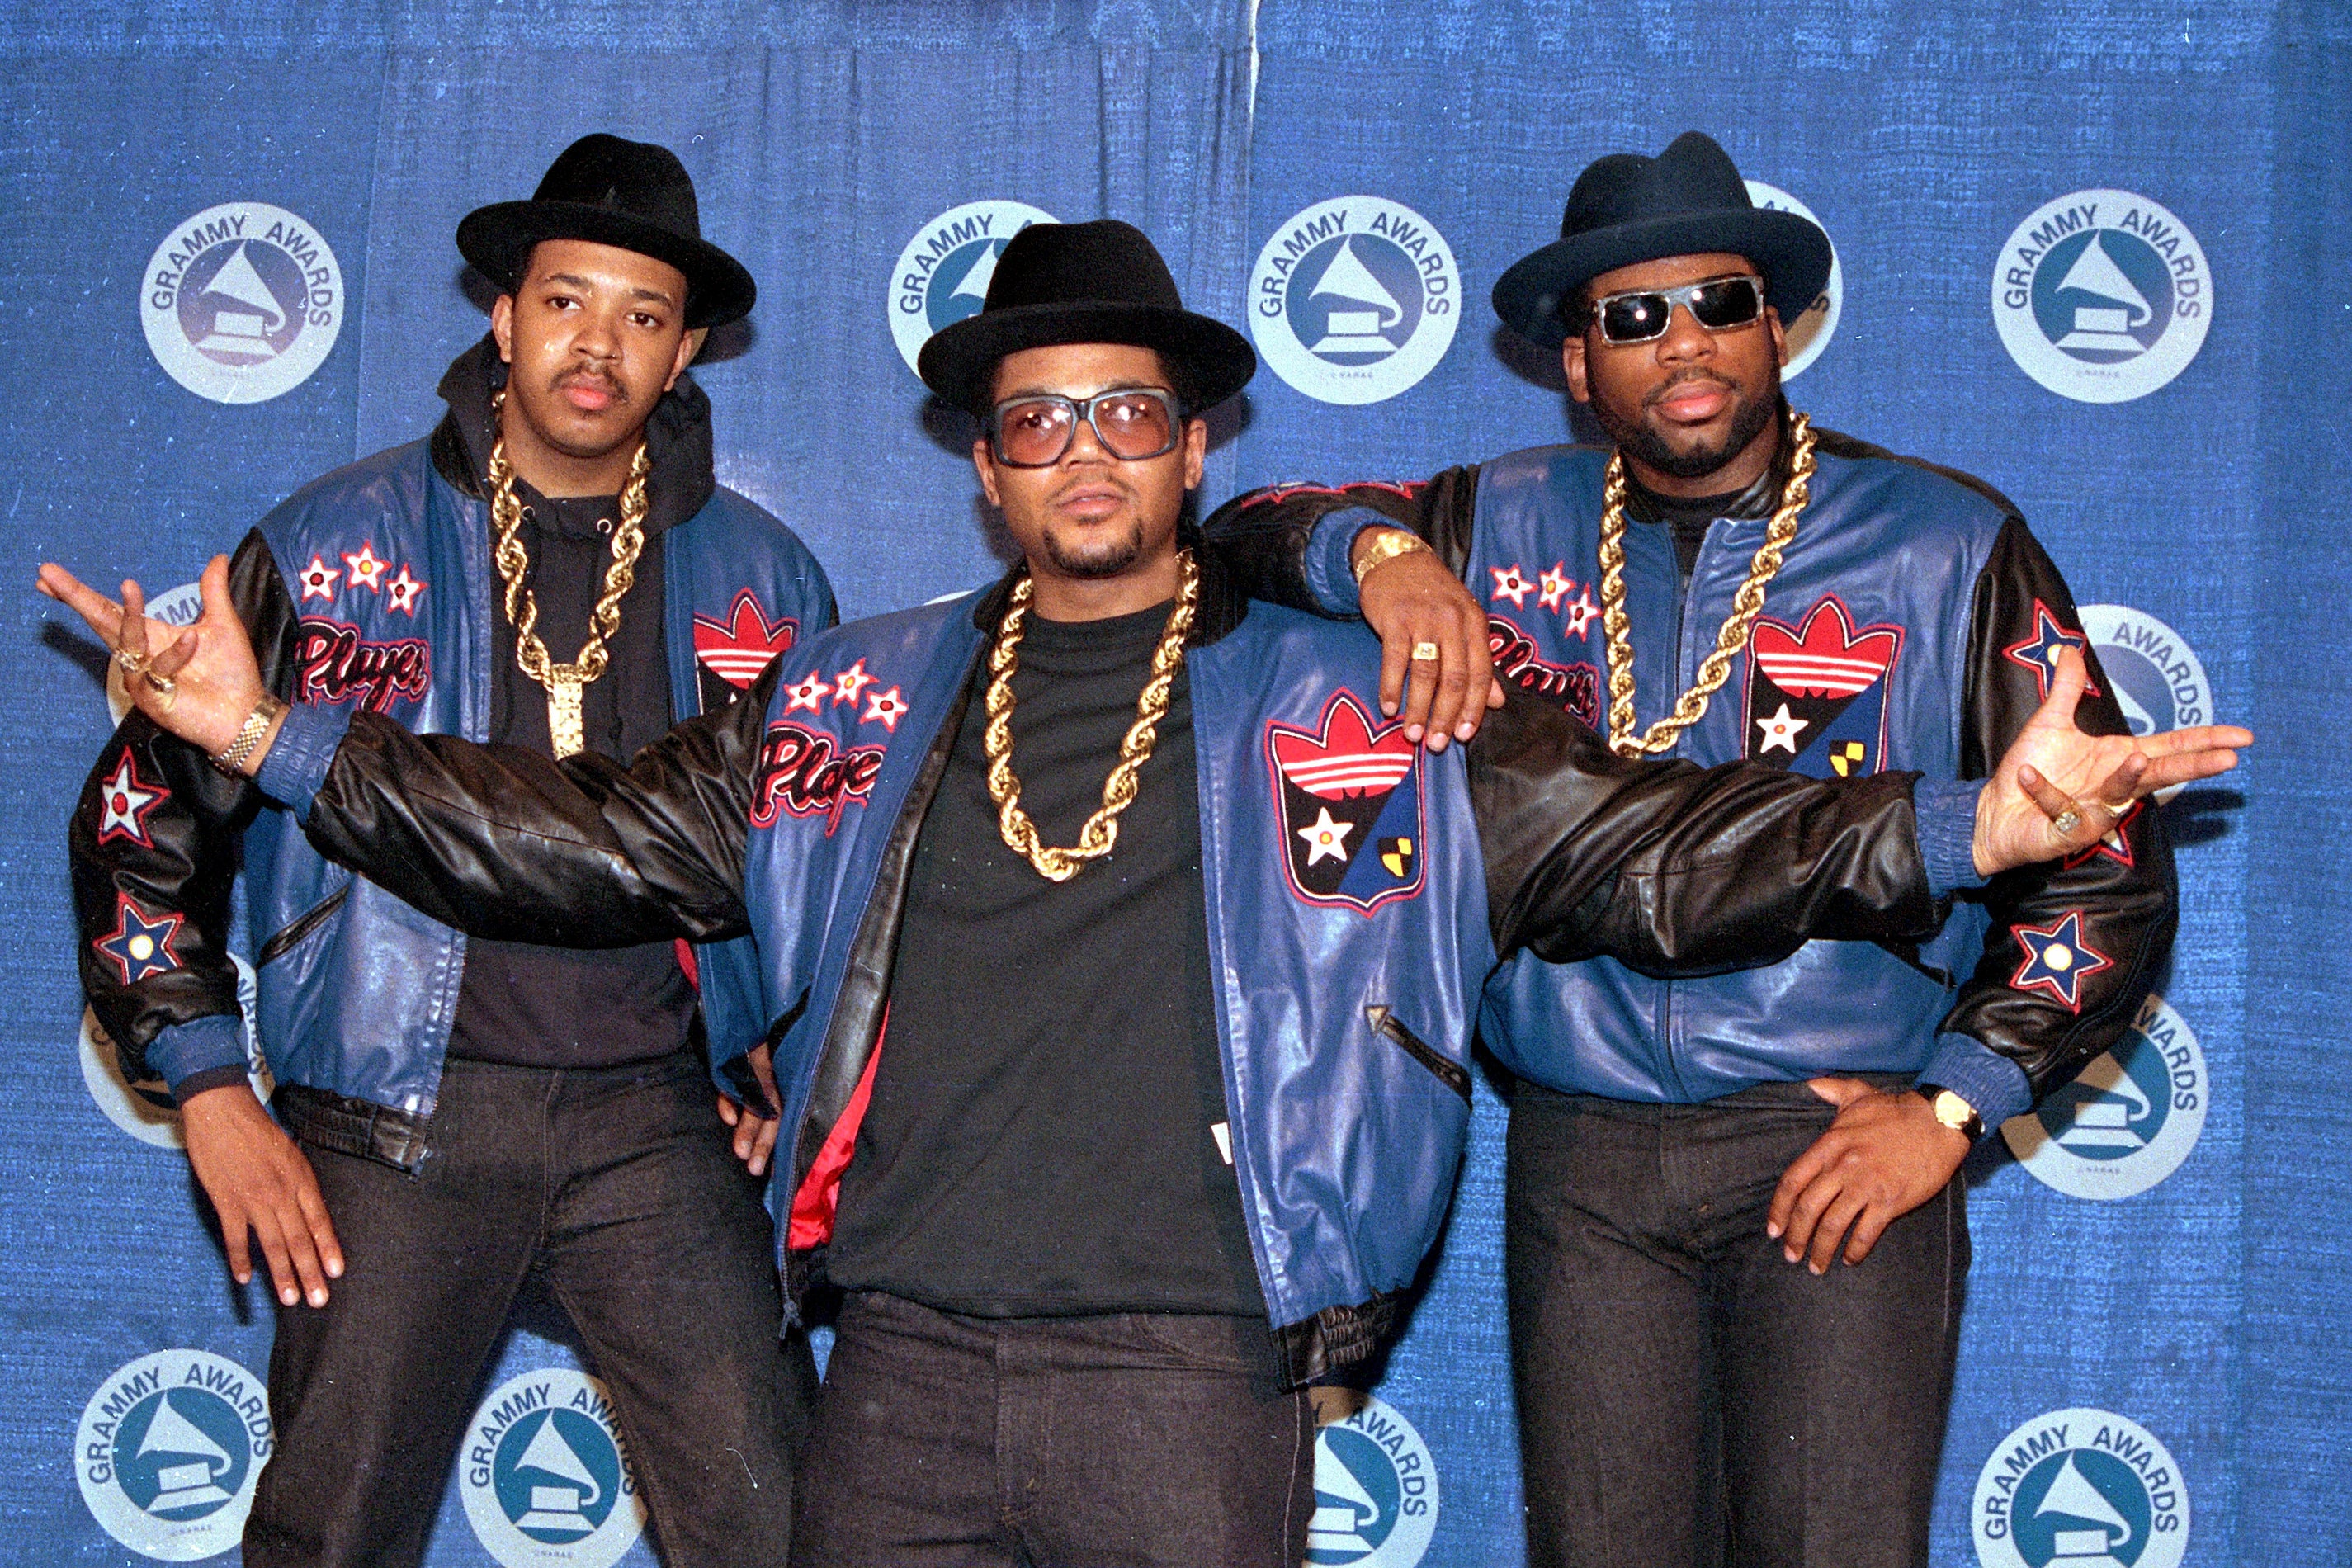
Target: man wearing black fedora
[
  {"x": 1124, "y": 958},
  {"x": 553, "y": 569},
  {"x": 1736, "y": 1234}
]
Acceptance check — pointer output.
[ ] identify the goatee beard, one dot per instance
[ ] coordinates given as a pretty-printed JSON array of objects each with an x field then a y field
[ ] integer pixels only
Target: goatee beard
[
  {"x": 1645, "y": 445},
  {"x": 1107, "y": 559}
]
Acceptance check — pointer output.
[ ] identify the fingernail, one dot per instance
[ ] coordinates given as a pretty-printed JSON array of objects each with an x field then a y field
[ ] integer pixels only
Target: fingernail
[
  {"x": 1817, "y": 1269},
  {"x": 1463, "y": 730},
  {"x": 334, "y": 1268},
  {"x": 1411, "y": 731},
  {"x": 1790, "y": 1253},
  {"x": 1772, "y": 1229},
  {"x": 287, "y": 1297},
  {"x": 319, "y": 1298},
  {"x": 1388, "y": 708}
]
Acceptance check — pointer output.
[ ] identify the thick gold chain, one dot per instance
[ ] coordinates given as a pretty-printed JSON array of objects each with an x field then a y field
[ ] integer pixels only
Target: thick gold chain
[
  {"x": 1745, "y": 607},
  {"x": 522, "y": 606},
  {"x": 1101, "y": 831}
]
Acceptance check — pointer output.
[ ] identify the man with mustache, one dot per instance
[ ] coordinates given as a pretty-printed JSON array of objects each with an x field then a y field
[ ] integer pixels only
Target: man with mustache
[
  {"x": 1736, "y": 1231},
  {"x": 1122, "y": 958},
  {"x": 556, "y": 570}
]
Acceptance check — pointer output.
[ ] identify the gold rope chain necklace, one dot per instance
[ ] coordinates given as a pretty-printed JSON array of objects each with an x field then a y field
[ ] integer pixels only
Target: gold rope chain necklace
[
  {"x": 1101, "y": 831},
  {"x": 1745, "y": 607},
  {"x": 564, "y": 682}
]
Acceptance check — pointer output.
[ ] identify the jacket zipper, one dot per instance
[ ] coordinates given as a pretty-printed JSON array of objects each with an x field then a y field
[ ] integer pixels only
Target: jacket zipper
[
  {"x": 1453, "y": 1075},
  {"x": 289, "y": 935}
]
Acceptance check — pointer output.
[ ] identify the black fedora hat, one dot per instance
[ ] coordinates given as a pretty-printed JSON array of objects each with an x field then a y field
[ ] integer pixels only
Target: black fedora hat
[
  {"x": 1688, "y": 200},
  {"x": 632, "y": 195},
  {"x": 1100, "y": 282}
]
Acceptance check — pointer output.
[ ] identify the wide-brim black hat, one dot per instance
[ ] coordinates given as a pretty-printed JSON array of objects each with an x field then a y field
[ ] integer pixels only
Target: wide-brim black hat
[
  {"x": 632, "y": 195},
  {"x": 1100, "y": 282},
  {"x": 1626, "y": 208}
]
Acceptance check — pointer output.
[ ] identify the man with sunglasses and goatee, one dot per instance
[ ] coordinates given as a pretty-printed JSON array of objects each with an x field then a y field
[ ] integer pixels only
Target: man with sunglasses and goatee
[{"x": 1735, "y": 1231}]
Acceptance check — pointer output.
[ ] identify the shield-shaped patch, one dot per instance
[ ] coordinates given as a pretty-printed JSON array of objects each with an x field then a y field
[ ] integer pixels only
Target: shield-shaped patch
[
  {"x": 730, "y": 655},
  {"x": 1348, "y": 799},
  {"x": 1816, "y": 693}
]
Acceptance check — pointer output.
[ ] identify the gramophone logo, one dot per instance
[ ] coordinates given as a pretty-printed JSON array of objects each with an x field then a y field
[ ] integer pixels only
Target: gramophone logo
[
  {"x": 2081, "y": 1488},
  {"x": 242, "y": 303},
  {"x": 1810, "y": 333},
  {"x": 1354, "y": 299},
  {"x": 545, "y": 1477},
  {"x": 1375, "y": 1492},
  {"x": 2101, "y": 296},
  {"x": 943, "y": 275},
  {"x": 2128, "y": 1120},
  {"x": 168, "y": 1451}
]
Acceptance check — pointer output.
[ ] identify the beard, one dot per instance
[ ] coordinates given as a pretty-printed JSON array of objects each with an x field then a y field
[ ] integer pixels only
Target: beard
[
  {"x": 1638, "y": 441},
  {"x": 1103, "y": 558}
]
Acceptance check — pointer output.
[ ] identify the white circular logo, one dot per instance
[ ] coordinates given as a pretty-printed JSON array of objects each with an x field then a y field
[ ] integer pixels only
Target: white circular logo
[
  {"x": 2101, "y": 296},
  {"x": 2128, "y": 1121},
  {"x": 1810, "y": 334},
  {"x": 2081, "y": 1488},
  {"x": 942, "y": 276},
  {"x": 242, "y": 301},
  {"x": 2158, "y": 679},
  {"x": 1354, "y": 299},
  {"x": 1375, "y": 1491},
  {"x": 144, "y": 1107},
  {"x": 545, "y": 1476},
  {"x": 168, "y": 1451}
]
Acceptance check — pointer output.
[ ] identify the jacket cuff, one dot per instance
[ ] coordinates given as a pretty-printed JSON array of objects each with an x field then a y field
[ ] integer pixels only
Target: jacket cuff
[
  {"x": 1330, "y": 569},
  {"x": 1947, "y": 813},
  {"x": 296, "y": 768},
  {"x": 183, "y": 1051},
  {"x": 1996, "y": 1086}
]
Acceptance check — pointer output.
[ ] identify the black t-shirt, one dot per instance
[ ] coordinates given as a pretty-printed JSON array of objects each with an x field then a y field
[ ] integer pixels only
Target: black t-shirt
[
  {"x": 1043, "y": 1136},
  {"x": 552, "y": 1006}
]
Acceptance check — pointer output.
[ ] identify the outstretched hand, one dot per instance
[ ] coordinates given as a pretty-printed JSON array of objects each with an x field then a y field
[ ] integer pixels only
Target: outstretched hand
[
  {"x": 199, "y": 682},
  {"x": 2058, "y": 791}
]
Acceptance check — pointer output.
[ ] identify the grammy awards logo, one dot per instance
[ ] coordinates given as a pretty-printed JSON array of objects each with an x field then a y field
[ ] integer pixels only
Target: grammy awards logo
[
  {"x": 2081, "y": 1488},
  {"x": 2128, "y": 1121},
  {"x": 1354, "y": 299},
  {"x": 168, "y": 1451},
  {"x": 242, "y": 303},
  {"x": 545, "y": 1476},
  {"x": 1375, "y": 1492},
  {"x": 943, "y": 275},
  {"x": 2101, "y": 296},
  {"x": 1809, "y": 330}
]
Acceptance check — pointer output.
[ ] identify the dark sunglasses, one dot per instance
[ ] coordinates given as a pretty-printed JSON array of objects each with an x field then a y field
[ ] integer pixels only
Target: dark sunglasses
[
  {"x": 1642, "y": 315},
  {"x": 1131, "y": 422}
]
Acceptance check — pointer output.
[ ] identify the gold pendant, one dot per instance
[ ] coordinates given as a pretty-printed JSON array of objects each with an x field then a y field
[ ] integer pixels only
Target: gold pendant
[{"x": 565, "y": 729}]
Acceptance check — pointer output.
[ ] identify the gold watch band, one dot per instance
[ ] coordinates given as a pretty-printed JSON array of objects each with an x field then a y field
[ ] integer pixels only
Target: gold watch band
[
  {"x": 1387, "y": 545},
  {"x": 230, "y": 759}
]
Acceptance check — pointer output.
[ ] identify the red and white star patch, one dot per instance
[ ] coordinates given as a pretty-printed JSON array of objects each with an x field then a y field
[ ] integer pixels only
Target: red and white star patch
[
  {"x": 124, "y": 801},
  {"x": 318, "y": 579}
]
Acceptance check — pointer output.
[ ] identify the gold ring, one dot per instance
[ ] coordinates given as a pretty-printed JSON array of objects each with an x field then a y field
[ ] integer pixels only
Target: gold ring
[
  {"x": 1425, "y": 652},
  {"x": 132, "y": 663},
  {"x": 162, "y": 684}
]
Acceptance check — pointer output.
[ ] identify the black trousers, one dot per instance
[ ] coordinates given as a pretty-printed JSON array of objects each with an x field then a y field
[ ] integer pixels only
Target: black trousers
[
  {"x": 1687, "y": 1396},
  {"x": 1124, "y": 1441},
  {"x": 619, "y": 1189}
]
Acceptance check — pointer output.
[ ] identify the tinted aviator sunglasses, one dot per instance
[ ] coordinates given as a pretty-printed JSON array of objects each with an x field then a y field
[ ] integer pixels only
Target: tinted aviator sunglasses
[
  {"x": 1642, "y": 315},
  {"x": 1131, "y": 422}
]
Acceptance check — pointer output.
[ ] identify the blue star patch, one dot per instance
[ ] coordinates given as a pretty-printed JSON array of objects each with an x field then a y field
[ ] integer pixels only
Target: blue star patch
[
  {"x": 2056, "y": 960},
  {"x": 140, "y": 946},
  {"x": 2039, "y": 652}
]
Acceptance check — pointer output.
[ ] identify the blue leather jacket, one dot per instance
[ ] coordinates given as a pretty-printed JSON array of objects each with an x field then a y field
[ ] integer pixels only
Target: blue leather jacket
[
  {"x": 1345, "y": 984},
  {"x": 1912, "y": 625},
  {"x": 373, "y": 588}
]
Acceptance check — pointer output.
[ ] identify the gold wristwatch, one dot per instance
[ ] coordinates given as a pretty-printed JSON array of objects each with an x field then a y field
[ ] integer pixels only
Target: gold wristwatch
[
  {"x": 230, "y": 759},
  {"x": 1952, "y": 1110},
  {"x": 1392, "y": 543}
]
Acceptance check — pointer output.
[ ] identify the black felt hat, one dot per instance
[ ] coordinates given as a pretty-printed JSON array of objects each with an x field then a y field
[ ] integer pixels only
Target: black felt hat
[
  {"x": 632, "y": 195},
  {"x": 1626, "y": 208},
  {"x": 1100, "y": 282}
]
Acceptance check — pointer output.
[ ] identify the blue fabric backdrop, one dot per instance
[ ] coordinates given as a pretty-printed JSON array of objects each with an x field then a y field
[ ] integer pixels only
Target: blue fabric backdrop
[{"x": 2205, "y": 1309}]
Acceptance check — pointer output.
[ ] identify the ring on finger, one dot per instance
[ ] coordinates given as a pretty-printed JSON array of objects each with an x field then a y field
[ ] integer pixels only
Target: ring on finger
[
  {"x": 1425, "y": 652},
  {"x": 161, "y": 684},
  {"x": 132, "y": 663},
  {"x": 2067, "y": 820}
]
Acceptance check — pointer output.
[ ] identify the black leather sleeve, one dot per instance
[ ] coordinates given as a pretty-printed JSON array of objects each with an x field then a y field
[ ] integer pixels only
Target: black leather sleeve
[
  {"x": 2124, "y": 895},
  {"x": 509, "y": 844},
  {"x": 1263, "y": 534},
  {"x": 182, "y": 861},
  {"x": 1678, "y": 870}
]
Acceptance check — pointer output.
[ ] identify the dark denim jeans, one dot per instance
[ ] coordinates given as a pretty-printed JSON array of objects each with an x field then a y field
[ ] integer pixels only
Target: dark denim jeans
[
  {"x": 619, "y": 1188},
  {"x": 1120, "y": 1441},
  {"x": 1687, "y": 1396}
]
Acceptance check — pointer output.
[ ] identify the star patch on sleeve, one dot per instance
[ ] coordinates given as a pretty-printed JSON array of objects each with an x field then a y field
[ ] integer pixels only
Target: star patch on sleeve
[
  {"x": 124, "y": 801},
  {"x": 2057, "y": 959},
  {"x": 318, "y": 579},
  {"x": 1511, "y": 584},
  {"x": 138, "y": 945},
  {"x": 366, "y": 571},
  {"x": 2039, "y": 652}
]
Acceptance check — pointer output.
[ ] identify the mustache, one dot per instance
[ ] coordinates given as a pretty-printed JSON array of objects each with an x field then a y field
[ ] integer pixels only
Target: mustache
[
  {"x": 1680, "y": 379},
  {"x": 588, "y": 375}
]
